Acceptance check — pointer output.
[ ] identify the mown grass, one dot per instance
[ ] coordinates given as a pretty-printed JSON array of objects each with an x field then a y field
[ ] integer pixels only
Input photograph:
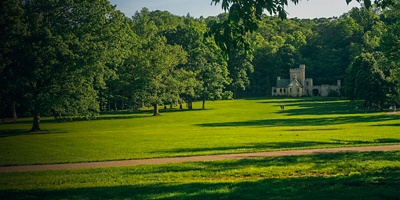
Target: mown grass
[
  {"x": 374, "y": 175},
  {"x": 247, "y": 125}
]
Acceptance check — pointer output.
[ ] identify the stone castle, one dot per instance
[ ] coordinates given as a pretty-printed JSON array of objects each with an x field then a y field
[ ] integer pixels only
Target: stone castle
[{"x": 298, "y": 85}]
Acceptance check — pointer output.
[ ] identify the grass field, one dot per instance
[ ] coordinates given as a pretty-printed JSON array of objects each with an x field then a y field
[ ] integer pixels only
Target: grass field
[
  {"x": 331, "y": 176},
  {"x": 235, "y": 126}
]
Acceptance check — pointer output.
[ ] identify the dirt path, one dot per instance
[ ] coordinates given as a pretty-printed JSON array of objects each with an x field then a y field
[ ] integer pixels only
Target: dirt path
[{"x": 194, "y": 159}]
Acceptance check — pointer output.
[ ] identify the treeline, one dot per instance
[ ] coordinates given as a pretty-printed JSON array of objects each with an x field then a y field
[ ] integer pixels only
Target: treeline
[
  {"x": 361, "y": 48},
  {"x": 70, "y": 58}
]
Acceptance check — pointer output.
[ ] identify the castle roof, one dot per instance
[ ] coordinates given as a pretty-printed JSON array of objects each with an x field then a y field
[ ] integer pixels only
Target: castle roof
[
  {"x": 295, "y": 83},
  {"x": 282, "y": 83}
]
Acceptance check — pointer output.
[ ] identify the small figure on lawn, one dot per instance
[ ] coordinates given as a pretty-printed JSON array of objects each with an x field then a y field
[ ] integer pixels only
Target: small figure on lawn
[{"x": 282, "y": 107}]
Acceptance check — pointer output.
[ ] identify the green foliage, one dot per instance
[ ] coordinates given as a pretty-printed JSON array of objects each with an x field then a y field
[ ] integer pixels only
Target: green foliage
[
  {"x": 333, "y": 93},
  {"x": 244, "y": 15},
  {"x": 67, "y": 51},
  {"x": 12, "y": 31},
  {"x": 205, "y": 61},
  {"x": 79, "y": 59},
  {"x": 366, "y": 79},
  {"x": 227, "y": 95}
]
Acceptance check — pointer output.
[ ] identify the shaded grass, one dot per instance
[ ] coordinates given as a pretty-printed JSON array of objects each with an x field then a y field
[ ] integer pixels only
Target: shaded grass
[
  {"x": 322, "y": 121},
  {"x": 238, "y": 126},
  {"x": 374, "y": 175}
]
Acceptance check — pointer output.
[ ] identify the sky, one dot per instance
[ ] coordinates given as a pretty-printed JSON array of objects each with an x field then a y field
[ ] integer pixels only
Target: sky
[{"x": 196, "y": 8}]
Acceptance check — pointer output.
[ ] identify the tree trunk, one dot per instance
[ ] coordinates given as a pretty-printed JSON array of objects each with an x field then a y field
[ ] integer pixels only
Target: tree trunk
[
  {"x": 14, "y": 112},
  {"x": 190, "y": 106},
  {"x": 108, "y": 103},
  {"x": 180, "y": 106},
  {"x": 170, "y": 106},
  {"x": 156, "y": 112},
  {"x": 204, "y": 104},
  {"x": 165, "y": 107},
  {"x": 36, "y": 122}
]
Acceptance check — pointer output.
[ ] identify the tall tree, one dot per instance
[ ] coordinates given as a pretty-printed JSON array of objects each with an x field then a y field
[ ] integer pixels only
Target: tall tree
[
  {"x": 205, "y": 61},
  {"x": 66, "y": 55},
  {"x": 366, "y": 80},
  {"x": 390, "y": 46},
  {"x": 156, "y": 61},
  {"x": 13, "y": 29}
]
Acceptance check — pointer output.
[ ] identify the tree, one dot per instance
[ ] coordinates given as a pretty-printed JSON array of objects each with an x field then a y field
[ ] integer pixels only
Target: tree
[
  {"x": 390, "y": 46},
  {"x": 239, "y": 66},
  {"x": 155, "y": 62},
  {"x": 67, "y": 53},
  {"x": 205, "y": 61},
  {"x": 365, "y": 79},
  {"x": 213, "y": 73},
  {"x": 12, "y": 29},
  {"x": 244, "y": 14}
]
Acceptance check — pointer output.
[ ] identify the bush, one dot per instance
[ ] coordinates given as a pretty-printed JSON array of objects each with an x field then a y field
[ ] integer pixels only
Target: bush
[
  {"x": 227, "y": 95},
  {"x": 333, "y": 93}
]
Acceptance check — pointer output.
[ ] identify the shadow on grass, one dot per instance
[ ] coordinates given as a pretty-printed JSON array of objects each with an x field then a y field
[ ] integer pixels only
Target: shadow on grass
[
  {"x": 20, "y": 132},
  {"x": 281, "y": 146},
  {"x": 323, "y": 121},
  {"x": 321, "y": 106},
  {"x": 294, "y": 100},
  {"x": 365, "y": 184},
  {"x": 398, "y": 124},
  {"x": 66, "y": 120},
  {"x": 150, "y": 112},
  {"x": 113, "y": 115}
]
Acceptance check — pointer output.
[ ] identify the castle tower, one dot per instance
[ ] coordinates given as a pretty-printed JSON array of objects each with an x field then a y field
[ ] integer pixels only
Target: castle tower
[
  {"x": 299, "y": 74},
  {"x": 302, "y": 74}
]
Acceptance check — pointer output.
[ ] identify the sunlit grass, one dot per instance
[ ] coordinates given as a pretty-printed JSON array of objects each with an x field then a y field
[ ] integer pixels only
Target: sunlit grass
[
  {"x": 235, "y": 126},
  {"x": 373, "y": 175}
]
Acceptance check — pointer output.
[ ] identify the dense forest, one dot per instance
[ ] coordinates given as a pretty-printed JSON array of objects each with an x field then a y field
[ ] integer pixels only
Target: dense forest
[{"x": 64, "y": 58}]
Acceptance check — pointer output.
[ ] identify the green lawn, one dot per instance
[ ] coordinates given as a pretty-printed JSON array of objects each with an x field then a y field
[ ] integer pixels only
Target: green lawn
[
  {"x": 235, "y": 126},
  {"x": 374, "y": 175}
]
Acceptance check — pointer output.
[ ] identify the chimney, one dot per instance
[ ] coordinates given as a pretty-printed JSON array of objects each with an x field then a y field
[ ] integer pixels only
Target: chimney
[
  {"x": 338, "y": 83},
  {"x": 278, "y": 78}
]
